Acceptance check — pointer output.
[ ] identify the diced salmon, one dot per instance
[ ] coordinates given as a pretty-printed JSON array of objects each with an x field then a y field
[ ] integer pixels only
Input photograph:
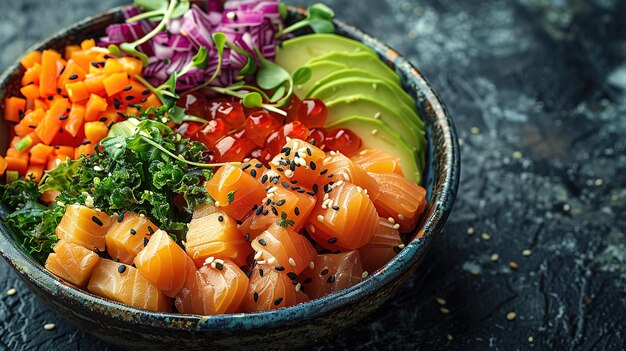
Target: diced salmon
[
  {"x": 331, "y": 273},
  {"x": 163, "y": 263},
  {"x": 216, "y": 235},
  {"x": 296, "y": 207},
  {"x": 344, "y": 169},
  {"x": 282, "y": 247},
  {"x": 400, "y": 199},
  {"x": 234, "y": 191},
  {"x": 377, "y": 161},
  {"x": 384, "y": 245},
  {"x": 84, "y": 226},
  {"x": 196, "y": 296},
  {"x": 124, "y": 283},
  {"x": 203, "y": 210},
  {"x": 128, "y": 235},
  {"x": 269, "y": 289},
  {"x": 229, "y": 282},
  {"x": 72, "y": 262},
  {"x": 344, "y": 219},
  {"x": 253, "y": 167},
  {"x": 299, "y": 162}
]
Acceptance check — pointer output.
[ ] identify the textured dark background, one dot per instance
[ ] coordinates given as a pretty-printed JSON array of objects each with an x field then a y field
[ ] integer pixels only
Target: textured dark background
[{"x": 538, "y": 91}]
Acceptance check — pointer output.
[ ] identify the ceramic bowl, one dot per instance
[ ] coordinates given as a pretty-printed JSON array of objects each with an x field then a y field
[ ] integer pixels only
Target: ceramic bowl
[{"x": 287, "y": 328}]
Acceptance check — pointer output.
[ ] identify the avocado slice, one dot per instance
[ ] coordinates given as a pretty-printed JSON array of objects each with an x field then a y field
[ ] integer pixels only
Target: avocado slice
[
  {"x": 391, "y": 115},
  {"x": 391, "y": 94},
  {"x": 319, "y": 70},
  {"x": 361, "y": 60},
  {"x": 345, "y": 73},
  {"x": 296, "y": 52},
  {"x": 377, "y": 135}
]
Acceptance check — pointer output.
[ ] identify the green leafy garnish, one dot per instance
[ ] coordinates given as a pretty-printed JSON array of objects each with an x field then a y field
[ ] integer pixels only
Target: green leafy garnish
[
  {"x": 231, "y": 196},
  {"x": 319, "y": 17},
  {"x": 284, "y": 222}
]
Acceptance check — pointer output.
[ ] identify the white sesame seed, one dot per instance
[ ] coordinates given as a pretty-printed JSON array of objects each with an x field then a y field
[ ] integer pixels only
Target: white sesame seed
[
  {"x": 444, "y": 310},
  {"x": 288, "y": 173},
  {"x": 59, "y": 203},
  {"x": 517, "y": 154},
  {"x": 209, "y": 260},
  {"x": 258, "y": 255},
  {"x": 312, "y": 265},
  {"x": 486, "y": 236},
  {"x": 494, "y": 257},
  {"x": 374, "y": 131},
  {"x": 49, "y": 326},
  {"x": 470, "y": 231},
  {"x": 513, "y": 265},
  {"x": 292, "y": 262},
  {"x": 97, "y": 168},
  {"x": 298, "y": 286},
  {"x": 401, "y": 246},
  {"x": 527, "y": 252},
  {"x": 364, "y": 275},
  {"x": 566, "y": 207},
  {"x": 441, "y": 301},
  {"x": 271, "y": 260},
  {"x": 401, "y": 216},
  {"x": 450, "y": 337},
  {"x": 391, "y": 220},
  {"x": 213, "y": 265},
  {"x": 363, "y": 152},
  {"x": 377, "y": 115},
  {"x": 141, "y": 215},
  {"x": 217, "y": 204},
  {"x": 261, "y": 262},
  {"x": 217, "y": 260},
  {"x": 320, "y": 218},
  {"x": 11, "y": 292},
  {"x": 396, "y": 226},
  {"x": 511, "y": 316},
  {"x": 312, "y": 228},
  {"x": 531, "y": 339},
  {"x": 474, "y": 130}
]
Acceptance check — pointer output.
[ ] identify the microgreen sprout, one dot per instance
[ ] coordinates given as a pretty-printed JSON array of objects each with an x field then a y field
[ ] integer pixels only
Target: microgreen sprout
[{"x": 319, "y": 17}]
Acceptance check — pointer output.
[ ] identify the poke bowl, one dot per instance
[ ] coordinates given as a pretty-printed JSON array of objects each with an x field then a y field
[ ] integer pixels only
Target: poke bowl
[{"x": 293, "y": 326}]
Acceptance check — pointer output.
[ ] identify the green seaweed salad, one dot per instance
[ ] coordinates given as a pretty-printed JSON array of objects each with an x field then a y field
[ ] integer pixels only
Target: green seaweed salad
[{"x": 142, "y": 166}]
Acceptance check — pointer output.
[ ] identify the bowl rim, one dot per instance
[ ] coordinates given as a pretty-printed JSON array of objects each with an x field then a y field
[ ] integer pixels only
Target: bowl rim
[{"x": 442, "y": 202}]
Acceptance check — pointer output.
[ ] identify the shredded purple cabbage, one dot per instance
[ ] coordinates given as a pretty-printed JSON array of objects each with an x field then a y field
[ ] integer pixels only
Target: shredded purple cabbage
[{"x": 248, "y": 24}]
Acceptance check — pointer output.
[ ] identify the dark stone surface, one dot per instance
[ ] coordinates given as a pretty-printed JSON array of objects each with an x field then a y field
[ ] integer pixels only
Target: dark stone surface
[{"x": 538, "y": 90}]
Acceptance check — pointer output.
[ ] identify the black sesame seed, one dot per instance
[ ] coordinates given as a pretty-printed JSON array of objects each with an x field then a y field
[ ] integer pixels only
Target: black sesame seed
[
  {"x": 97, "y": 221},
  {"x": 315, "y": 188},
  {"x": 129, "y": 98},
  {"x": 255, "y": 296},
  {"x": 293, "y": 181},
  {"x": 150, "y": 230},
  {"x": 332, "y": 240},
  {"x": 312, "y": 165},
  {"x": 308, "y": 151},
  {"x": 336, "y": 208},
  {"x": 275, "y": 180},
  {"x": 396, "y": 249},
  {"x": 285, "y": 185},
  {"x": 296, "y": 211},
  {"x": 117, "y": 103},
  {"x": 133, "y": 232},
  {"x": 331, "y": 175},
  {"x": 331, "y": 279},
  {"x": 265, "y": 212},
  {"x": 279, "y": 268},
  {"x": 59, "y": 91},
  {"x": 312, "y": 193},
  {"x": 220, "y": 218},
  {"x": 145, "y": 92},
  {"x": 255, "y": 207},
  {"x": 268, "y": 202},
  {"x": 258, "y": 165},
  {"x": 120, "y": 218},
  {"x": 307, "y": 280},
  {"x": 50, "y": 98},
  {"x": 278, "y": 301},
  {"x": 74, "y": 77},
  {"x": 247, "y": 236},
  {"x": 292, "y": 166},
  {"x": 259, "y": 210},
  {"x": 248, "y": 273},
  {"x": 280, "y": 202},
  {"x": 324, "y": 272},
  {"x": 121, "y": 268},
  {"x": 262, "y": 242},
  {"x": 301, "y": 190},
  {"x": 103, "y": 119},
  {"x": 292, "y": 275},
  {"x": 264, "y": 179},
  {"x": 274, "y": 211},
  {"x": 117, "y": 259},
  {"x": 219, "y": 266},
  {"x": 95, "y": 64},
  {"x": 253, "y": 172},
  {"x": 261, "y": 272},
  {"x": 280, "y": 169},
  {"x": 327, "y": 188},
  {"x": 145, "y": 241},
  {"x": 324, "y": 171},
  {"x": 285, "y": 150},
  {"x": 64, "y": 117},
  {"x": 128, "y": 88},
  {"x": 246, "y": 166}
]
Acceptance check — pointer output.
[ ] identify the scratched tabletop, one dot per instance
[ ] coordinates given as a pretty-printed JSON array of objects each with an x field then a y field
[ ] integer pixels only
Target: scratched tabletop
[{"x": 534, "y": 255}]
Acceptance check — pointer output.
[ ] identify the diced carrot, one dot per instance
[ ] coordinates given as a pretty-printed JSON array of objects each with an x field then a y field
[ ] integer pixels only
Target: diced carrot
[
  {"x": 131, "y": 65},
  {"x": 77, "y": 91},
  {"x": 95, "y": 84},
  {"x": 30, "y": 91},
  {"x": 31, "y": 59},
  {"x": 35, "y": 172},
  {"x": 75, "y": 119},
  {"x": 112, "y": 66},
  {"x": 84, "y": 149},
  {"x": 115, "y": 83},
  {"x": 14, "y": 108},
  {"x": 17, "y": 161},
  {"x": 3, "y": 166},
  {"x": 32, "y": 75},
  {"x": 94, "y": 107},
  {"x": 51, "y": 123},
  {"x": 40, "y": 153},
  {"x": 49, "y": 73},
  {"x": 30, "y": 121},
  {"x": 69, "y": 50},
  {"x": 71, "y": 74},
  {"x": 151, "y": 101},
  {"x": 88, "y": 44},
  {"x": 96, "y": 131}
]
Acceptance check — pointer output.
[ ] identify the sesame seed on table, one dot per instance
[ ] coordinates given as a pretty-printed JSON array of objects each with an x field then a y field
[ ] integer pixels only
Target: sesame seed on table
[{"x": 532, "y": 257}]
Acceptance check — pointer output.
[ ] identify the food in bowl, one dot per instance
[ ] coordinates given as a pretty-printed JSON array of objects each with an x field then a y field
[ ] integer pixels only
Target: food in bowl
[{"x": 204, "y": 159}]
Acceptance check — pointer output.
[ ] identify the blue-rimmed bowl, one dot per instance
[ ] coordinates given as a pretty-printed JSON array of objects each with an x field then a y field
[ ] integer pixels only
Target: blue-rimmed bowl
[{"x": 287, "y": 328}]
